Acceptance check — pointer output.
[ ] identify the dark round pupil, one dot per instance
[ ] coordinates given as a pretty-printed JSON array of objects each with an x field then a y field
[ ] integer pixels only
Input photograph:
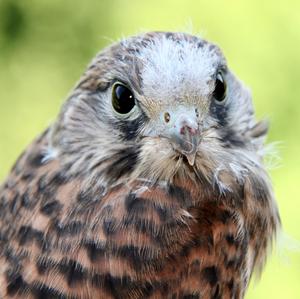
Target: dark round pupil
[
  {"x": 220, "y": 88},
  {"x": 122, "y": 99}
]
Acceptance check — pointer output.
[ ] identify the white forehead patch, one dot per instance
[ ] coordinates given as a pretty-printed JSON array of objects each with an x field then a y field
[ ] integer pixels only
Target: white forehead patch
[{"x": 172, "y": 68}]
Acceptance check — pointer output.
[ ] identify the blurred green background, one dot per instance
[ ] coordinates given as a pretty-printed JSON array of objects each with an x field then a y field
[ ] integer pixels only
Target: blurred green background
[{"x": 45, "y": 46}]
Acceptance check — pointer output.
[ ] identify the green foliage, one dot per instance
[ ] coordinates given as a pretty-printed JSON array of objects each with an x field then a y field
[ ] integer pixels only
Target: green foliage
[{"x": 45, "y": 46}]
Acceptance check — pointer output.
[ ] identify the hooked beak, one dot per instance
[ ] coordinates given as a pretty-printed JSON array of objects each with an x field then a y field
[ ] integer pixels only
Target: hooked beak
[
  {"x": 186, "y": 142},
  {"x": 184, "y": 134}
]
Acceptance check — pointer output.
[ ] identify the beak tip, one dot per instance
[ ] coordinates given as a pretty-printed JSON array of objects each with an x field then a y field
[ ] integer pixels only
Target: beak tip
[{"x": 191, "y": 158}]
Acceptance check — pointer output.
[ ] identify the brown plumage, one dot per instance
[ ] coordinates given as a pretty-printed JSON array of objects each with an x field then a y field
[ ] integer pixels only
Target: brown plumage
[{"x": 150, "y": 184}]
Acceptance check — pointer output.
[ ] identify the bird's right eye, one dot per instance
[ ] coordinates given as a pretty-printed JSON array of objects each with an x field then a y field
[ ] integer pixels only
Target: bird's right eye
[{"x": 123, "y": 100}]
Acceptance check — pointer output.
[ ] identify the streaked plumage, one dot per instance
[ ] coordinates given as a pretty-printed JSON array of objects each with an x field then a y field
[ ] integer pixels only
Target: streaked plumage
[{"x": 170, "y": 200}]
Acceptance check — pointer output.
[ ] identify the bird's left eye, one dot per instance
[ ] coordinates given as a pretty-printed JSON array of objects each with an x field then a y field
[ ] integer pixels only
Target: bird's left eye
[
  {"x": 122, "y": 99},
  {"x": 220, "y": 88}
]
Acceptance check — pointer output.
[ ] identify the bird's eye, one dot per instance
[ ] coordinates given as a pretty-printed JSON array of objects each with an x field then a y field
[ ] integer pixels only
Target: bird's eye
[
  {"x": 220, "y": 88},
  {"x": 122, "y": 99}
]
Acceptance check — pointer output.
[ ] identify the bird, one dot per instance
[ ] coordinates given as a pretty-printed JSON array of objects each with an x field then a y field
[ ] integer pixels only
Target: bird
[{"x": 150, "y": 183}]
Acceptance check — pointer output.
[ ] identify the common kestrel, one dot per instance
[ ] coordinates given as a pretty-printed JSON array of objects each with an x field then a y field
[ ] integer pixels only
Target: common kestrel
[{"x": 150, "y": 183}]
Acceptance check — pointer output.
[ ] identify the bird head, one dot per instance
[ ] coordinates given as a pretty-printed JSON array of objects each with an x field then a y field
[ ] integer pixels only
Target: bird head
[{"x": 159, "y": 106}]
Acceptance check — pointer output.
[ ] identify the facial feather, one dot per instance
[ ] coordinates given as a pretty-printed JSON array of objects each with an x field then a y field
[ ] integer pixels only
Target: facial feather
[{"x": 164, "y": 71}]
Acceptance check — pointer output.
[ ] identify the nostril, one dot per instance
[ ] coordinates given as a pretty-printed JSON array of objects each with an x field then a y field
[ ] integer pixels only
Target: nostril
[
  {"x": 187, "y": 129},
  {"x": 167, "y": 117},
  {"x": 183, "y": 130}
]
